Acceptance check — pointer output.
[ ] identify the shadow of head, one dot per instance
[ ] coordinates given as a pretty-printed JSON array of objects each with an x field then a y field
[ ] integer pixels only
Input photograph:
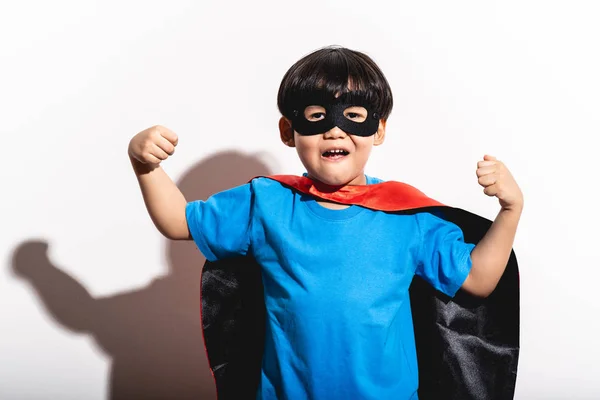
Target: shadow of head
[{"x": 214, "y": 174}]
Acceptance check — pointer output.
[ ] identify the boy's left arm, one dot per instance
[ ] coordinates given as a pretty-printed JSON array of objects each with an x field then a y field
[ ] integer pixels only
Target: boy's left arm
[{"x": 490, "y": 256}]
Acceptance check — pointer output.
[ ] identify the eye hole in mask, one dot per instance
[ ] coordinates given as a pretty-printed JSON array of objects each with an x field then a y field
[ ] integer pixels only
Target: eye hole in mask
[{"x": 351, "y": 112}]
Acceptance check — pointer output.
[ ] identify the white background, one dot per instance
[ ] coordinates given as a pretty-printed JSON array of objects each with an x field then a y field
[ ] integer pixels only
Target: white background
[{"x": 111, "y": 297}]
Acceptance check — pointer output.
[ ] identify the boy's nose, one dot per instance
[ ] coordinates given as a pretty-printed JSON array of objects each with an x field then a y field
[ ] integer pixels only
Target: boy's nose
[{"x": 334, "y": 133}]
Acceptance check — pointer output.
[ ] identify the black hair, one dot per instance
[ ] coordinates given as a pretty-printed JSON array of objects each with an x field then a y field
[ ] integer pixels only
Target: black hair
[{"x": 331, "y": 70}]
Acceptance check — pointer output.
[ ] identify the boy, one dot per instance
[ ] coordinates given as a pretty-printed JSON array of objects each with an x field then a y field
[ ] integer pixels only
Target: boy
[{"x": 336, "y": 274}]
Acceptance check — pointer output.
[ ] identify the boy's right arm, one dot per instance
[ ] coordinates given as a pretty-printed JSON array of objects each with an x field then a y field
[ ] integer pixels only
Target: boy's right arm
[{"x": 164, "y": 201}]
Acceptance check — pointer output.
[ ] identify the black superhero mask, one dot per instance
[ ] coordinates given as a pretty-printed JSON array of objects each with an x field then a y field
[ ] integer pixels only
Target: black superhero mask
[{"x": 334, "y": 114}]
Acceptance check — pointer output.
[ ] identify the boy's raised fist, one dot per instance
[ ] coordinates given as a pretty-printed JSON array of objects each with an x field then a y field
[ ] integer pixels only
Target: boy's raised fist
[
  {"x": 497, "y": 181},
  {"x": 153, "y": 145}
]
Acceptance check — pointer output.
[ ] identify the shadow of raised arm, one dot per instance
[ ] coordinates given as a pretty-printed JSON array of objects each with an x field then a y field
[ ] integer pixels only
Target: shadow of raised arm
[{"x": 66, "y": 300}]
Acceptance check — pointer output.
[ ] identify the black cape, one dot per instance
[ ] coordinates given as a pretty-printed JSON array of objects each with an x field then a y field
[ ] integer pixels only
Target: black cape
[{"x": 467, "y": 347}]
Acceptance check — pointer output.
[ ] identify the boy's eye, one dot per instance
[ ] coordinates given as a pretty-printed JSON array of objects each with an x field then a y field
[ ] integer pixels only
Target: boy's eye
[
  {"x": 356, "y": 114},
  {"x": 314, "y": 113}
]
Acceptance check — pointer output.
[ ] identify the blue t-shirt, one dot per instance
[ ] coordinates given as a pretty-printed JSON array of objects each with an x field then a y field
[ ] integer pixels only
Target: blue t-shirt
[{"x": 339, "y": 323}]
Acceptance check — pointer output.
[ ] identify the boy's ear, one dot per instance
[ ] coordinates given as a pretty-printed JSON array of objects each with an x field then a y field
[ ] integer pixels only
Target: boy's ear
[
  {"x": 380, "y": 134},
  {"x": 286, "y": 132}
]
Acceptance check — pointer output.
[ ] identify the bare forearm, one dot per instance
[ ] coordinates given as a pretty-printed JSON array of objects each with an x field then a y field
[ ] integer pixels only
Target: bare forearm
[
  {"x": 164, "y": 201},
  {"x": 491, "y": 254}
]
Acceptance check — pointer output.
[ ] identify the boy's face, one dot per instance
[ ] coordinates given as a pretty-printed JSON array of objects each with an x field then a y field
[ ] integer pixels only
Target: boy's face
[{"x": 333, "y": 157}]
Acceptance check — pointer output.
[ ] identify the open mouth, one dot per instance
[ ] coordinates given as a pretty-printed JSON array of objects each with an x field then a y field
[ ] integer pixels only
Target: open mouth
[{"x": 335, "y": 154}]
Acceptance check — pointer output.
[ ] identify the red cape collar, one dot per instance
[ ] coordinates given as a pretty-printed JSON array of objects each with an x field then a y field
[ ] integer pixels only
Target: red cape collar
[{"x": 385, "y": 196}]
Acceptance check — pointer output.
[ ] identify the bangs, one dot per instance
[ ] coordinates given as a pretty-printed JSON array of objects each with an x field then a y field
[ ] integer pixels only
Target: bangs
[{"x": 334, "y": 71}]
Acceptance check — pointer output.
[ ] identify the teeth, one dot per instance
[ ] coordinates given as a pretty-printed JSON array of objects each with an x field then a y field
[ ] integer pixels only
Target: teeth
[{"x": 334, "y": 152}]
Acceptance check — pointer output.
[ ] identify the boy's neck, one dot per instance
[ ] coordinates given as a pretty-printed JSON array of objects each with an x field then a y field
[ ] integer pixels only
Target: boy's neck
[{"x": 324, "y": 187}]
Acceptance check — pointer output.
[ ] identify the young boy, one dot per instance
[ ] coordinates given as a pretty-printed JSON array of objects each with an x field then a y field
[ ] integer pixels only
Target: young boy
[{"x": 336, "y": 274}]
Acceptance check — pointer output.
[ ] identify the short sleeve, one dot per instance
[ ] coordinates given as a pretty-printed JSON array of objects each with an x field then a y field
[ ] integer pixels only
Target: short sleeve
[
  {"x": 221, "y": 225},
  {"x": 444, "y": 258}
]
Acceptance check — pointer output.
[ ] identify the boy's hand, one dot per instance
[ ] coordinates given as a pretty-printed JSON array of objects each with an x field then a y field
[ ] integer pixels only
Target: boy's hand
[
  {"x": 152, "y": 145},
  {"x": 498, "y": 181}
]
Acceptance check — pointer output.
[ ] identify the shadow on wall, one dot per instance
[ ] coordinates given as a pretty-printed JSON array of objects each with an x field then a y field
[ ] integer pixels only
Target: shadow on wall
[{"x": 153, "y": 334}]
